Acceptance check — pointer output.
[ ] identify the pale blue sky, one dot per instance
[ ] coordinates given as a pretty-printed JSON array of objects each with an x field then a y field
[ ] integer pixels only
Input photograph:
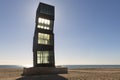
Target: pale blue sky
[{"x": 86, "y": 31}]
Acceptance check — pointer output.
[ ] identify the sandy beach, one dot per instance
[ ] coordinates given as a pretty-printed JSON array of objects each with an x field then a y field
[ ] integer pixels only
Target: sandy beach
[{"x": 73, "y": 74}]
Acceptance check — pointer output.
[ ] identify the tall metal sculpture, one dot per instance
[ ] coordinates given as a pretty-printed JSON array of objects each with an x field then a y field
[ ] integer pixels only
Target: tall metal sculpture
[
  {"x": 43, "y": 41},
  {"x": 43, "y": 44}
]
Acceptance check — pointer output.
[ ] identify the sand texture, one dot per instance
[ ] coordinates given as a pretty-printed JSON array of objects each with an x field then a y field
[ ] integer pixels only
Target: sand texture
[{"x": 75, "y": 74}]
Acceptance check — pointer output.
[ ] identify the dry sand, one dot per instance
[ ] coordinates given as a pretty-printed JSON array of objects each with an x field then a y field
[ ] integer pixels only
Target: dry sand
[{"x": 75, "y": 74}]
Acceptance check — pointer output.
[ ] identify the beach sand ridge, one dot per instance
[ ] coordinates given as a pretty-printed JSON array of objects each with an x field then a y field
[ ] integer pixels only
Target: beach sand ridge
[{"x": 73, "y": 74}]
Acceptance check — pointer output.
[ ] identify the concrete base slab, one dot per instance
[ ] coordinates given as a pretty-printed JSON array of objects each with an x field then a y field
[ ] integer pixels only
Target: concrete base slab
[{"x": 44, "y": 71}]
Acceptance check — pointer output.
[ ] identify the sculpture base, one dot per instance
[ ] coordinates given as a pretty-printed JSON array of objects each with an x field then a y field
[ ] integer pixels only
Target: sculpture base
[{"x": 44, "y": 71}]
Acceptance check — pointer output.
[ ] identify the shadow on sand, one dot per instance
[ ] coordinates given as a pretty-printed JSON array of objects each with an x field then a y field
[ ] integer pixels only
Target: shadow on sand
[{"x": 42, "y": 77}]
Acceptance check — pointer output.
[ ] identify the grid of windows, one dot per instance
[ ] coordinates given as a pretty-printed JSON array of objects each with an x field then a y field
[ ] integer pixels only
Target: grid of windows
[
  {"x": 44, "y": 57},
  {"x": 44, "y": 21},
  {"x": 44, "y": 24},
  {"x": 47, "y": 10},
  {"x": 43, "y": 38},
  {"x": 43, "y": 27}
]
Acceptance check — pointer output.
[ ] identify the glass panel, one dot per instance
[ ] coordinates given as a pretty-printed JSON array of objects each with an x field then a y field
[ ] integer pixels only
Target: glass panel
[
  {"x": 44, "y": 57},
  {"x": 48, "y": 28},
  {"x": 38, "y": 26},
  {"x": 44, "y": 21},
  {"x": 44, "y": 27},
  {"x": 44, "y": 24},
  {"x": 43, "y": 38},
  {"x": 45, "y": 9},
  {"x": 39, "y": 57}
]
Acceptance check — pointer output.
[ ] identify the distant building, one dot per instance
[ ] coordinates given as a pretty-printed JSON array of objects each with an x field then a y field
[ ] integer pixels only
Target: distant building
[{"x": 43, "y": 41}]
